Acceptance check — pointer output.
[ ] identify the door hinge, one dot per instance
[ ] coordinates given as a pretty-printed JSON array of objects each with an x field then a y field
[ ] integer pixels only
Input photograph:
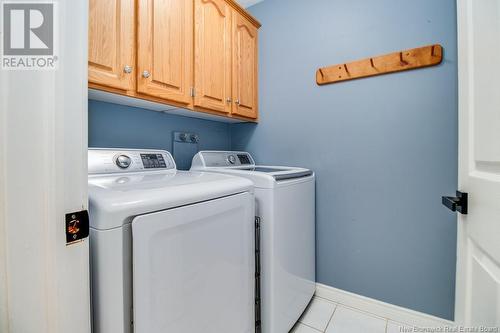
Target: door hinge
[
  {"x": 192, "y": 92},
  {"x": 459, "y": 203},
  {"x": 77, "y": 226},
  {"x": 258, "y": 327}
]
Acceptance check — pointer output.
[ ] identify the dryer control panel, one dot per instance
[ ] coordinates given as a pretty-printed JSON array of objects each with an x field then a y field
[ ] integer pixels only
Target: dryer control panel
[
  {"x": 218, "y": 159},
  {"x": 130, "y": 160}
]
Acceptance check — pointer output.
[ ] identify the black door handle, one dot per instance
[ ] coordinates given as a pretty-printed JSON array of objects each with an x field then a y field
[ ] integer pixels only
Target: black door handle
[{"x": 458, "y": 203}]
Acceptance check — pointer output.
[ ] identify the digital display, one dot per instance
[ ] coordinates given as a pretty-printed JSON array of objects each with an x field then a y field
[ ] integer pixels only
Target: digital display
[
  {"x": 153, "y": 161},
  {"x": 244, "y": 159}
]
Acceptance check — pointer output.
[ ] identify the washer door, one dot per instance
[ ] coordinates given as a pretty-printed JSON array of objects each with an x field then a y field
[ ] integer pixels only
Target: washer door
[{"x": 193, "y": 268}]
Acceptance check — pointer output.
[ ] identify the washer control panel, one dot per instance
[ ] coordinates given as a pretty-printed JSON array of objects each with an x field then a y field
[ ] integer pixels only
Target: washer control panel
[
  {"x": 153, "y": 161},
  {"x": 217, "y": 159},
  {"x": 130, "y": 160}
]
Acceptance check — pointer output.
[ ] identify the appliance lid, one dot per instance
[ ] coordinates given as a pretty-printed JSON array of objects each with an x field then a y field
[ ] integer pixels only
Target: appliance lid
[
  {"x": 266, "y": 169},
  {"x": 281, "y": 174},
  {"x": 242, "y": 164},
  {"x": 114, "y": 199}
]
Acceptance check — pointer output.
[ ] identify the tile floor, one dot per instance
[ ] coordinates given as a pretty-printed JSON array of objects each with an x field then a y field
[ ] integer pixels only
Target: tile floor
[{"x": 324, "y": 316}]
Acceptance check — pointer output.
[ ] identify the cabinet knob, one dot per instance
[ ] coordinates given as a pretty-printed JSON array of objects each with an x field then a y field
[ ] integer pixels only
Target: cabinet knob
[
  {"x": 127, "y": 69},
  {"x": 229, "y": 100},
  {"x": 237, "y": 102},
  {"x": 146, "y": 74}
]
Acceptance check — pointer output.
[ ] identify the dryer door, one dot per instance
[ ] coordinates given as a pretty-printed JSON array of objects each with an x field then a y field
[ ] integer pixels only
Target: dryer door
[{"x": 193, "y": 268}]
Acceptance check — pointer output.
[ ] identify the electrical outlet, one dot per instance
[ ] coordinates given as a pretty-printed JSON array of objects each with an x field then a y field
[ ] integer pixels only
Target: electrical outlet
[
  {"x": 186, "y": 137},
  {"x": 185, "y": 146}
]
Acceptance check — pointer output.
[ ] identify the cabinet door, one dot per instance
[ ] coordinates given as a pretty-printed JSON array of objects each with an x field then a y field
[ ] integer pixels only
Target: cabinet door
[
  {"x": 165, "y": 49},
  {"x": 111, "y": 43},
  {"x": 245, "y": 68},
  {"x": 212, "y": 55}
]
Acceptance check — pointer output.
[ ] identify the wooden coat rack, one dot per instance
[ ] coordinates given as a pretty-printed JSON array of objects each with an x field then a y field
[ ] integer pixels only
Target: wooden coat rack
[{"x": 426, "y": 56}]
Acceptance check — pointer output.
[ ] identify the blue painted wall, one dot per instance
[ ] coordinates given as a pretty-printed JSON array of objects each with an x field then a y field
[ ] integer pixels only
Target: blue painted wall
[
  {"x": 118, "y": 126},
  {"x": 384, "y": 149}
]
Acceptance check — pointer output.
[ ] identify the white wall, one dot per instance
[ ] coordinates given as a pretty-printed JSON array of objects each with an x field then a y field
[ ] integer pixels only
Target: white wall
[{"x": 44, "y": 284}]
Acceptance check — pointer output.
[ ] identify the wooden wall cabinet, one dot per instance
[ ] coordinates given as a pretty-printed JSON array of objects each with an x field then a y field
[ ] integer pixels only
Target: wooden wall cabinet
[
  {"x": 196, "y": 54},
  {"x": 112, "y": 43},
  {"x": 245, "y": 68},
  {"x": 212, "y": 55},
  {"x": 165, "y": 49}
]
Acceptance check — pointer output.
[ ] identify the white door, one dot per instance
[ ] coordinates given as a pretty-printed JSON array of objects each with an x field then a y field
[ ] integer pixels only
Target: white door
[
  {"x": 193, "y": 268},
  {"x": 44, "y": 284},
  {"x": 478, "y": 266}
]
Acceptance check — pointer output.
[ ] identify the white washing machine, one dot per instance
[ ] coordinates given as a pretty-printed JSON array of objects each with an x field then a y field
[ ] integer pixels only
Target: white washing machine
[
  {"x": 171, "y": 251},
  {"x": 285, "y": 205}
]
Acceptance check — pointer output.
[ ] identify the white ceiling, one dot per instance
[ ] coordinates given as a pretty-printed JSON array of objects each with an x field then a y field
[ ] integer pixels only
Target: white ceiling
[{"x": 248, "y": 3}]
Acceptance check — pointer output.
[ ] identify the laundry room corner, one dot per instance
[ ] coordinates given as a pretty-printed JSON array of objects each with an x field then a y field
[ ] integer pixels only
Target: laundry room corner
[{"x": 384, "y": 148}]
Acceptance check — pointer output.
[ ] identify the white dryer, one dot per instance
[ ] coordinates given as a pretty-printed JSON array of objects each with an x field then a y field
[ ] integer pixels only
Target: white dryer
[
  {"x": 285, "y": 205},
  {"x": 171, "y": 251}
]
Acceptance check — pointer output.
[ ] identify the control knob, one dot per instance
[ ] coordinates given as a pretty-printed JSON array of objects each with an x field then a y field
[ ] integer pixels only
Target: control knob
[{"x": 123, "y": 161}]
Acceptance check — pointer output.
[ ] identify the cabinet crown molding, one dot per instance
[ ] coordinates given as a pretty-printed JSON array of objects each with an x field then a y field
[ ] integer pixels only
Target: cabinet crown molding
[{"x": 244, "y": 13}]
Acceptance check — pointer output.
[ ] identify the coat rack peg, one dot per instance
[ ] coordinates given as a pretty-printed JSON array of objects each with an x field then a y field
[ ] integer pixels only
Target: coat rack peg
[
  {"x": 401, "y": 59},
  {"x": 425, "y": 56}
]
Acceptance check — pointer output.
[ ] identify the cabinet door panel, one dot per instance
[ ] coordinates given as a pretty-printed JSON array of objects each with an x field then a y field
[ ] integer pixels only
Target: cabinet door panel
[
  {"x": 245, "y": 68},
  {"x": 165, "y": 49},
  {"x": 213, "y": 55},
  {"x": 111, "y": 43}
]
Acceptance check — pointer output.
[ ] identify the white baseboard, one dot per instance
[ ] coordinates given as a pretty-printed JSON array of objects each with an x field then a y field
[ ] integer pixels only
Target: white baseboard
[{"x": 379, "y": 308}]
